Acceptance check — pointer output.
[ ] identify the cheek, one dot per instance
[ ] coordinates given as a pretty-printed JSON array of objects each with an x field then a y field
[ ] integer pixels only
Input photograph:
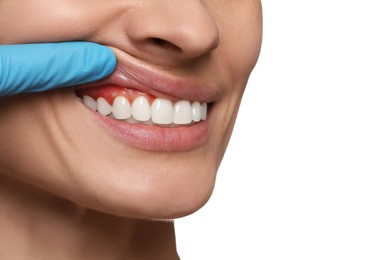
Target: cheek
[
  {"x": 57, "y": 20},
  {"x": 25, "y": 138},
  {"x": 30, "y": 20},
  {"x": 241, "y": 39}
]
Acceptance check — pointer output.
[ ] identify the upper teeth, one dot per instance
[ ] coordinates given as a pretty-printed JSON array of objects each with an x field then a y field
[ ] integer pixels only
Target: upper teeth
[{"x": 161, "y": 111}]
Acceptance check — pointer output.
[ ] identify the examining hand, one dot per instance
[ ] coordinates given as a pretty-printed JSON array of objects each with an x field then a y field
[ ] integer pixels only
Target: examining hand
[{"x": 43, "y": 66}]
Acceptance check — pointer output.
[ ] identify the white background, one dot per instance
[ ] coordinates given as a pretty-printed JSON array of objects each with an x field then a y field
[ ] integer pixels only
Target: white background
[{"x": 306, "y": 175}]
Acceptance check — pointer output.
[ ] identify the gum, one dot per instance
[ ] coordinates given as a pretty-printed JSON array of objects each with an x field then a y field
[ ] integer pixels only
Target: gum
[{"x": 109, "y": 93}]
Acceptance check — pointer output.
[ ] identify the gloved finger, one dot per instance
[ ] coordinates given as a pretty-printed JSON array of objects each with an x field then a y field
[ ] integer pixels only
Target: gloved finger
[{"x": 43, "y": 66}]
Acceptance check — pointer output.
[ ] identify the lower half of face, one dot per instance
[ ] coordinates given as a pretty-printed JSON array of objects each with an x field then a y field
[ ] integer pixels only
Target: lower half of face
[{"x": 157, "y": 160}]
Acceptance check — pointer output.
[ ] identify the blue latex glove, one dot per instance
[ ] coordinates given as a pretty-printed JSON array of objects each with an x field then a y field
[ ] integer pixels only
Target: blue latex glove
[{"x": 43, "y": 66}]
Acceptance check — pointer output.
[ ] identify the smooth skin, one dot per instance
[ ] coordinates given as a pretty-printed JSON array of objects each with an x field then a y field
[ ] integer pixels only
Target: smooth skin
[{"x": 71, "y": 190}]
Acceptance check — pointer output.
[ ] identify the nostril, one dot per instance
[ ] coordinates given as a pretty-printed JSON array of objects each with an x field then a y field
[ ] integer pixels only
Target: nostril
[
  {"x": 163, "y": 44},
  {"x": 159, "y": 41}
]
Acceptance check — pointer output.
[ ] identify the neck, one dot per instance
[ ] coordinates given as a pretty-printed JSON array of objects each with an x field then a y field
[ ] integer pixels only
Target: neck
[{"x": 37, "y": 225}]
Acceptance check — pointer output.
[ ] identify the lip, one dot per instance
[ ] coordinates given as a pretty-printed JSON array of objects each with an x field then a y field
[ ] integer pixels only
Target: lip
[
  {"x": 156, "y": 138},
  {"x": 131, "y": 73}
]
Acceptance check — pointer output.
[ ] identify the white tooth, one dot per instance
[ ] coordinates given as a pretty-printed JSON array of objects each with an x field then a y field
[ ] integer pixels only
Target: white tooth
[
  {"x": 162, "y": 111},
  {"x": 182, "y": 113},
  {"x": 121, "y": 108},
  {"x": 204, "y": 111},
  {"x": 196, "y": 111},
  {"x": 89, "y": 102},
  {"x": 141, "y": 109},
  {"x": 103, "y": 107}
]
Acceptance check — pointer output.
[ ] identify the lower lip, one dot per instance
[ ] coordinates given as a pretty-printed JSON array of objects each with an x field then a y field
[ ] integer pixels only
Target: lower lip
[{"x": 157, "y": 138}]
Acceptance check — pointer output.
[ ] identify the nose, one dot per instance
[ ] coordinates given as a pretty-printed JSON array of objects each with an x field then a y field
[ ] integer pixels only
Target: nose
[{"x": 172, "y": 29}]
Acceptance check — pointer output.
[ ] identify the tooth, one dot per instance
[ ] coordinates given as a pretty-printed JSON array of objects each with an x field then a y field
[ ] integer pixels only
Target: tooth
[
  {"x": 141, "y": 109},
  {"x": 162, "y": 111},
  {"x": 196, "y": 111},
  {"x": 89, "y": 102},
  {"x": 204, "y": 111},
  {"x": 182, "y": 113},
  {"x": 103, "y": 107},
  {"x": 121, "y": 108}
]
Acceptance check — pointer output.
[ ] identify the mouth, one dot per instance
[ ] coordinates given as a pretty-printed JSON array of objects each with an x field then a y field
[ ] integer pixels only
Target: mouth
[
  {"x": 134, "y": 107},
  {"x": 150, "y": 109}
]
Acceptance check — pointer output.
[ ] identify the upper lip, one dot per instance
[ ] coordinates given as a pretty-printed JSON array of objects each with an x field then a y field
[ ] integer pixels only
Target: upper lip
[{"x": 132, "y": 73}]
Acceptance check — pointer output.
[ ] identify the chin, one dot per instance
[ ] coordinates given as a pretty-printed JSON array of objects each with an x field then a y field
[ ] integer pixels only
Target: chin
[
  {"x": 168, "y": 194},
  {"x": 138, "y": 170},
  {"x": 82, "y": 159}
]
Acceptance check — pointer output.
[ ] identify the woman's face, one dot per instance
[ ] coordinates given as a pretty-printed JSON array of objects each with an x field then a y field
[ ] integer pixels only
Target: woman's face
[{"x": 175, "y": 55}]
